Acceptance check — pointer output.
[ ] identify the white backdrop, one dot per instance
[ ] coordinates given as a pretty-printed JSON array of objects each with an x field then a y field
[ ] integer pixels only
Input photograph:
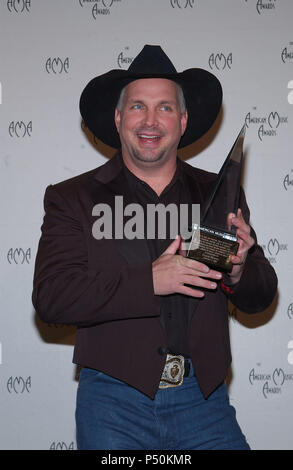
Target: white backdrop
[{"x": 49, "y": 50}]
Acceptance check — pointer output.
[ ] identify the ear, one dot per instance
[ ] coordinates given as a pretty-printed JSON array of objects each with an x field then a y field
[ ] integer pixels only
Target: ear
[
  {"x": 184, "y": 119},
  {"x": 117, "y": 119}
]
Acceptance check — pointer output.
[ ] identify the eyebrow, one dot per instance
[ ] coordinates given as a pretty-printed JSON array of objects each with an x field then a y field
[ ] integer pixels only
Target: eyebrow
[{"x": 133, "y": 100}]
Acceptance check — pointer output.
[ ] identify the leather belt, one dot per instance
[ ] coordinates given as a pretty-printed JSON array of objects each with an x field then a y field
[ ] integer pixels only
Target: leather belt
[{"x": 176, "y": 368}]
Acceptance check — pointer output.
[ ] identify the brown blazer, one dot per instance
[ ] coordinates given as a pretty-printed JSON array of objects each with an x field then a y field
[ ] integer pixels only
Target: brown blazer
[{"x": 105, "y": 287}]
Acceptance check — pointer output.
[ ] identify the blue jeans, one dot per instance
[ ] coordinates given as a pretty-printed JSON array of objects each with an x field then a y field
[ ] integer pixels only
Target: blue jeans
[{"x": 111, "y": 415}]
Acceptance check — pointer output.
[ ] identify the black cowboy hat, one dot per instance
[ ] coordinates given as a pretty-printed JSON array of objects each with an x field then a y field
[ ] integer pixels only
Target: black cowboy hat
[{"x": 202, "y": 93}]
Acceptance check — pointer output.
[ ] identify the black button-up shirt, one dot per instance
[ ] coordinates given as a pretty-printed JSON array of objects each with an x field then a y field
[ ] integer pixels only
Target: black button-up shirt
[{"x": 175, "y": 309}]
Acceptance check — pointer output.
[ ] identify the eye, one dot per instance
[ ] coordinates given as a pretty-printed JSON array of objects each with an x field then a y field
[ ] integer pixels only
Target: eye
[
  {"x": 137, "y": 106},
  {"x": 166, "y": 107}
]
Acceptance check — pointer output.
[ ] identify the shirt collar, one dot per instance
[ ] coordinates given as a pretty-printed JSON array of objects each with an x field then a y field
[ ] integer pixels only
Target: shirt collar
[{"x": 137, "y": 182}]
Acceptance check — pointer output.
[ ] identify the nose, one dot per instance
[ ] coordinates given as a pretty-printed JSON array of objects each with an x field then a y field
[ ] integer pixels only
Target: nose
[{"x": 150, "y": 117}]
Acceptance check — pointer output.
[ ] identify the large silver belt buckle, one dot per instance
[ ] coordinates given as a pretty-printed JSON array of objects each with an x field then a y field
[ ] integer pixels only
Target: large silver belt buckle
[{"x": 173, "y": 372}]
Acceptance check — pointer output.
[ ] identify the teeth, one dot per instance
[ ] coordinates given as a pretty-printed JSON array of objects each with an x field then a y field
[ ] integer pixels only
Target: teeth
[{"x": 149, "y": 136}]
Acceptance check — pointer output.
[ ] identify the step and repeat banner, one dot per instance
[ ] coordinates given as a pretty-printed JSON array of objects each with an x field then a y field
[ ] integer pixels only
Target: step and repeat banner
[{"x": 49, "y": 50}]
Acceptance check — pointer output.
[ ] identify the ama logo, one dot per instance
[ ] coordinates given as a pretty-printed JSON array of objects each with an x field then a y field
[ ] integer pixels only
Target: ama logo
[
  {"x": 18, "y": 6},
  {"x": 19, "y": 256},
  {"x": 56, "y": 65},
  {"x": 220, "y": 61},
  {"x": 182, "y": 3},
  {"x": 20, "y": 129},
  {"x": 19, "y": 385}
]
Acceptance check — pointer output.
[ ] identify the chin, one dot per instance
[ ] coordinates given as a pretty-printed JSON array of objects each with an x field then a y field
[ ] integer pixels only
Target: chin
[{"x": 149, "y": 157}]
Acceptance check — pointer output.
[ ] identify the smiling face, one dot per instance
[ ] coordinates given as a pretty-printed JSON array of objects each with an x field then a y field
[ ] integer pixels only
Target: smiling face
[{"x": 150, "y": 122}]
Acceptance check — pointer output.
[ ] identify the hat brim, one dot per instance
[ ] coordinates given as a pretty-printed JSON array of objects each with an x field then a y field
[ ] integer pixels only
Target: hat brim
[{"x": 202, "y": 92}]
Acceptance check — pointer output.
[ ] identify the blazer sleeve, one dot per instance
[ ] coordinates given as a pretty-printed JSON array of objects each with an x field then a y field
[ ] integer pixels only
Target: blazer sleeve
[
  {"x": 258, "y": 284},
  {"x": 66, "y": 291}
]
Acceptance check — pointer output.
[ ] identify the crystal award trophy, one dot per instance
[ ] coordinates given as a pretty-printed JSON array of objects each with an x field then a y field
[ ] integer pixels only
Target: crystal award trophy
[{"x": 212, "y": 242}]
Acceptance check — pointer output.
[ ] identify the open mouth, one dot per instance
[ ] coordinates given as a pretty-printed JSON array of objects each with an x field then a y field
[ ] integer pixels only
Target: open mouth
[{"x": 149, "y": 138}]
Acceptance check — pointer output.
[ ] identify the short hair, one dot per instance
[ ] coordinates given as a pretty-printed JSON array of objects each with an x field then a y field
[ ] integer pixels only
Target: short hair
[{"x": 181, "y": 98}]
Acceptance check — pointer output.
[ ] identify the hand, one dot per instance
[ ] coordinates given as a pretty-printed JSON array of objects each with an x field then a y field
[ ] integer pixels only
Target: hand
[
  {"x": 245, "y": 243},
  {"x": 172, "y": 271}
]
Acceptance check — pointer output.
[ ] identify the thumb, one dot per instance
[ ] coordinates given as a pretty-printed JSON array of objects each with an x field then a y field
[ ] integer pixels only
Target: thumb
[
  {"x": 229, "y": 220},
  {"x": 173, "y": 247}
]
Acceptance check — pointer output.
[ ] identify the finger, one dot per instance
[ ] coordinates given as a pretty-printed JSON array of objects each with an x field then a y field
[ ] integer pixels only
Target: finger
[
  {"x": 199, "y": 282},
  {"x": 190, "y": 292},
  {"x": 193, "y": 264},
  {"x": 239, "y": 214},
  {"x": 245, "y": 239},
  {"x": 230, "y": 216},
  {"x": 201, "y": 270},
  {"x": 242, "y": 226},
  {"x": 236, "y": 260},
  {"x": 240, "y": 223},
  {"x": 211, "y": 274},
  {"x": 173, "y": 247}
]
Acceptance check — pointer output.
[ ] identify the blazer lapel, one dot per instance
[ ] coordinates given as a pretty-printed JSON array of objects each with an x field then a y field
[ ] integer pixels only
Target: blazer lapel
[{"x": 114, "y": 191}]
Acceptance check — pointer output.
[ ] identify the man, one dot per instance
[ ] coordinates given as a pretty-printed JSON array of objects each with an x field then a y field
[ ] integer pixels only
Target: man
[{"x": 152, "y": 332}]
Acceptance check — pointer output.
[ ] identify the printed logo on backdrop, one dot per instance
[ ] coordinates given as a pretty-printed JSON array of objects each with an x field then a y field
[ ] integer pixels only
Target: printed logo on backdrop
[
  {"x": 272, "y": 382},
  {"x": 99, "y": 7},
  {"x": 19, "y": 385},
  {"x": 124, "y": 59},
  {"x": 56, "y": 65},
  {"x": 287, "y": 53},
  {"x": 288, "y": 180},
  {"x": 273, "y": 249},
  {"x": 62, "y": 446},
  {"x": 267, "y": 126},
  {"x": 290, "y": 311},
  {"x": 182, "y": 3},
  {"x": 220, "y": 61},
  {"x": 20, "y": 129},
  {"x": 18, "y": 6},
  {"x": 19, "y": 256},
  {"x": 263, "y": 6}
]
